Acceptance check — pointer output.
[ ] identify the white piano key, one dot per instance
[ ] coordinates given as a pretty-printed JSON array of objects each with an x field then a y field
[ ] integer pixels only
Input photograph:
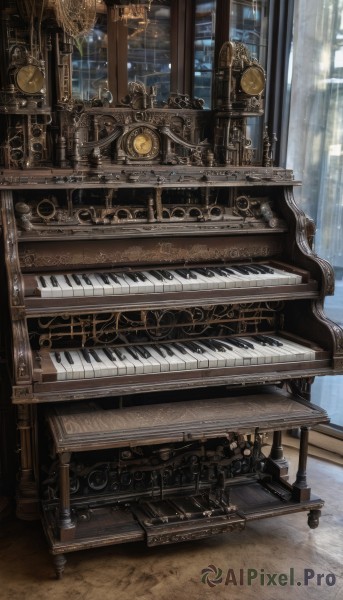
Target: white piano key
[
  {"x": 246, "y": 358},
  {"x": 109, "y": 366},
  {"x": 61, "y": 373},
  {"x": 202, "y": 360},
  {"x": 187, "y": 284},
  {"x": 108, "y": 289},
  {"x": 221, "y": 281},
  {"x": 138, "y": 366},
  {"x": 87, "y": 366},
  {"x": 120, "y": 286},
  {"x": 189, "y": 361},
  {"x": 176, "y": 363},
  {"x": 98, "y": 287},
  {"x": 78, "y": 289},
  {"x": 70, "y": 368},
  {"x": 171, "y": 285},
  {"x": 87, "y": 288},
  {"x": 271, "y": 354},
  {"x": 124, "y": 366},
  {"x": 239, "y": 280},
  {"x": 147, "y": 286},
  {"x": 214, "y": 357},
  {"x": 66, "y": 290},
  {"x": 158, "y": 286},
  {"x": 288, "y": 277},
  {"x": 134, "y": 286},
  {"x": 163, "y": 362},
  {"x": 300, "y": 352},
  {"x": 78, "y": 371},
  {"x": 260, "y": 356},
  {"x": 45, "y": 291},
  {"x": 232, "y": 358}
]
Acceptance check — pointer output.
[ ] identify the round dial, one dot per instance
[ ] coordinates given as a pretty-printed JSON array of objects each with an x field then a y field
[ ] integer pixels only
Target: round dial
[
  {"x": 30, "y": 79},
  {"x": 143, "y": 142},
  {"x": 253, "y": 81}
]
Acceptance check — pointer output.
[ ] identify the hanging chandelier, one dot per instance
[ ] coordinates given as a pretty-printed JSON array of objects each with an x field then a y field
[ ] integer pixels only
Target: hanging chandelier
[{"x": 132, "y": 12}]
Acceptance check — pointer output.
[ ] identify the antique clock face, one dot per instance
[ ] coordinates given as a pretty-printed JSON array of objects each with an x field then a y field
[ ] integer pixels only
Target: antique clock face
[
  {"x": 253, "y": 81},
  {"x": 143, "y": 142},
  {"x": 30, "y": 79}
]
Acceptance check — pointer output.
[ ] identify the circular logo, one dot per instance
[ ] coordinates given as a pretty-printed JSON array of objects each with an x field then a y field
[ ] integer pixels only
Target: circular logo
[{"x": 211, "y": 575}]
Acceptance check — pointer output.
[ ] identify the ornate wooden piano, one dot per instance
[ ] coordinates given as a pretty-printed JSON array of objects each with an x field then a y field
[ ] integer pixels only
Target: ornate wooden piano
[{"x": 163, "y": 308}]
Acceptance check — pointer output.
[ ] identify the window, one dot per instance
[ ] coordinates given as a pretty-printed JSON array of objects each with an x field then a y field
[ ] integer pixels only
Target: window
[
  {"x": 315, "y": 150},
  {"x": 204, "y": 50}
]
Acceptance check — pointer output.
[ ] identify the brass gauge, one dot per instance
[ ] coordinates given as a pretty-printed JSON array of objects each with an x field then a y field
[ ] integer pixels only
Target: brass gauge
[
  {"x": 143, "y": 142},
  {"x": 30, "y": 79},
  {"x": 253, "y": 81}
]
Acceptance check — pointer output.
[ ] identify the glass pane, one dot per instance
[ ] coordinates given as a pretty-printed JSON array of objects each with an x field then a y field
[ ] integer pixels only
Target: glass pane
[
  {"x": 89, "y": 59},
  {"x": 149, "y": 59},
  {"x": 249, "y": 25},
  {"x": 204, "y": 50},
  {"x": 315, "y": 150}
]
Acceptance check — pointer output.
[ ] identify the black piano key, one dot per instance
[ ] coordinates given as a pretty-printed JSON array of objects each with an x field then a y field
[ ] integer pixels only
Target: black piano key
[
  {"x": 118, "y": 353},
  {"x": 184, "y": 274},
  {"x": 204, "y": 271},
  {"x": 219, "y": 346},
  {"x": 241, "y": 270},
  {"x": 209, "y": 344},
  {"x": 86, "y": 279},
  {"x": 157, "y": 275},
  {"x": 221, "y": 271},
  {"x": 236, "y": 343},
  {"x": 272, "y": 341},
  {"x": 133, "y": 353},
  {"x": 160, "y": 351},
  {"x": 114, "y": 278},
  {"x": 54, "y": 281},
  {"x": 67, "y": 280},
  {"x": 168, "y": 350},
  {"x": 69, "y": 357},
  {"x": 86, "y": 355},
  {"x": 42, "y": 280},
  {"x": 109, "y": 354},
  {"x": 132, "y": 276},
  {"x": 58, "y": 357},
  {"x": 260, "y": 339},
  {"x": 96, "y": 357},
  {"x": 142, "y": 277},
  {"x": 248, "y": 344},
  {"x": 226, "y": 345},
  {"x": 252, "y": 269},
  {"x": 76, "y": 279},
  {"x": 264, "y": 269},
  {"x": 229, "y": 271},
  {"x": 143, "y": 351},
  {"x": 167, "y": 275},
  {"x": 180, "y": 348},
  {"x": 192, "y": 274},
  {"x": 193, "y": 347},
  {"x": 104, "y": 278}
]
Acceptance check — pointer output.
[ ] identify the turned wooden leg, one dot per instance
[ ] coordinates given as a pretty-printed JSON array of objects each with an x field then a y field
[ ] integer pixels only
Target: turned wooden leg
[
  {"x": 300, "y": 489},
  {"x": 277, "y": 464},
  {"x": 66, "y": 525},
  {"x": 59, "y": 564}
]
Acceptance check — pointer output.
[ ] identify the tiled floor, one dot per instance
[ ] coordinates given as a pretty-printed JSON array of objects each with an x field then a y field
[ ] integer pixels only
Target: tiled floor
[{"x": 129, "y": 572}]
